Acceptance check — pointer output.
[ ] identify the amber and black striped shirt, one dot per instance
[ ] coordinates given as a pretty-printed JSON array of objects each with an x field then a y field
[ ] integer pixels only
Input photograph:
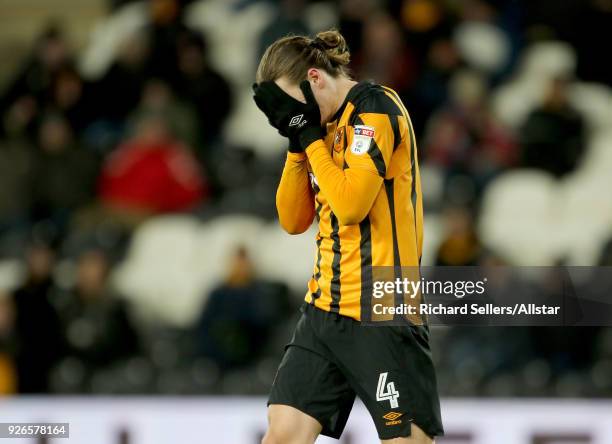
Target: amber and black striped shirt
[{"x": 362, "y": 184}]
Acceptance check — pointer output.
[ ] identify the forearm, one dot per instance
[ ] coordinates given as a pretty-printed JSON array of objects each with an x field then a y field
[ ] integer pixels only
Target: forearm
[
  {"x": 350, "y": 192},
  {"x": 294, "y": 199}
]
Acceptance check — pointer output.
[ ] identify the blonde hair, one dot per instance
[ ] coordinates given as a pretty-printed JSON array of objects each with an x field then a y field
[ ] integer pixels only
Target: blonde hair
[{"x": 292, "y": 56}]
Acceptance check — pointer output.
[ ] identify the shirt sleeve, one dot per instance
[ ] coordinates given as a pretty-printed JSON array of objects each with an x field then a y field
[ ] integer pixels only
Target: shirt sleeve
[
  {"x": 370, "y": 143},
  {"x": 351, "y": 191},
  {"x": 294, "y": 198}
]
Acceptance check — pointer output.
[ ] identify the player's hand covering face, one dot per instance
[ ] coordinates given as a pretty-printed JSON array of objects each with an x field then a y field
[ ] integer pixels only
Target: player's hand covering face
[{"x": 300, "y": 122}]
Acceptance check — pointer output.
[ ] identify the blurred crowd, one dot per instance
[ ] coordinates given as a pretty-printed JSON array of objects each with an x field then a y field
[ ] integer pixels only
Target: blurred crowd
[{"x": 87, "y": 160}]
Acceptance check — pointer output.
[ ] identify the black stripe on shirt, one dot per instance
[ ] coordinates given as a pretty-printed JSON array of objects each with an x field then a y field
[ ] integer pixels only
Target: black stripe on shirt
[
  {"x": 334, "y": 306},
  {"x": 365, "y": 250},
  {"x": 397, "y": 264}
]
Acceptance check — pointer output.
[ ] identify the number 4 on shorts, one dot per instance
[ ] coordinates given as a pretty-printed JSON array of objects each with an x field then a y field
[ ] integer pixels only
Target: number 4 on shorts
[{"x": 386, "y": 391}]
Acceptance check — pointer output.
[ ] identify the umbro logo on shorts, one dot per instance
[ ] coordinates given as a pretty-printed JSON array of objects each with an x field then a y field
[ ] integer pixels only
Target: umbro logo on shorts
[{"x": 393, "y": 418}]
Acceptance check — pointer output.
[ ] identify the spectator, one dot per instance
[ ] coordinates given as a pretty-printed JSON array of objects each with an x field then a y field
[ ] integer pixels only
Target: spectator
[
  {"x": 16, "y": 162},
  {"x": 8, "y": 376},
  {"x": 553, "y": 135},
  {"x": 430, "y": 92},
  {"x": 152, "y": 173},
  {"x": 565, "y": 350},
  {"x": 38, "y": 331},
  {"x": 20, "y": 119},
  {"x": 35, "y": 78},
  {"x": 69, "y": 96},
  {"x": 157, "y": 98},
  {"x": 63, "y": 174},
  {"x": 118, "y": 92},
  {"x": 384, "y": 57},
  {"x": 96, "y": 327},
  {"x": 287, "y": 20},
  {"x": 163, "y": 33},
  {"x": 423, "y": 20},
  {"x": 197, "y": 82},
  {"x": 353, "y": 15},
  {"x": 465, "y": 139},
  {"x": 593, "y": 25},
  {"x": 461, "y": 246},
  {"x": 240, "y": 315}
]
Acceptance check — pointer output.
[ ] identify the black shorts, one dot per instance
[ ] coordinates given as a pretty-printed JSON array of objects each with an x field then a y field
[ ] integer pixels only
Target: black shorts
[{"x": 332, "y": 358}]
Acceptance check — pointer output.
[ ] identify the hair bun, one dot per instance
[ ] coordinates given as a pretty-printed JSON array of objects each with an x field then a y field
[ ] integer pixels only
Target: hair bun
[{"x": 334, "y": 45}]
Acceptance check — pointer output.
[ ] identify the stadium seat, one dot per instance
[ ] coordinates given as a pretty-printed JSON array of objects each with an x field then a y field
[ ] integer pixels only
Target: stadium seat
[
  {"x": 594, "y": 102},
  {"x": 585, "y": 222},
  {"x": 107, "y": 37},
  {"x": 174, "y": 262},
  {"x": 433, "y": 231},
  {"x": 286, "y": 258},
  {"x": 597, "y": 161},
  {"x": 541, "y": 62},
  {"x": 519, "y": 218},
  {"x": 162, "y": 274}
]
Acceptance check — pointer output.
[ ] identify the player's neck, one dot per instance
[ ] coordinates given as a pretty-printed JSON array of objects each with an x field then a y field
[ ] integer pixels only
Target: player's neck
[{"x": 344, "y": 86}]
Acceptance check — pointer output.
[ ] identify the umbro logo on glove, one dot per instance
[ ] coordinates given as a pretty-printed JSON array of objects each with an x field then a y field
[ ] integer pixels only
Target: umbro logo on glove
[
  {"x": 295, "y": 120},
  {"x": 299, "y": 121}
]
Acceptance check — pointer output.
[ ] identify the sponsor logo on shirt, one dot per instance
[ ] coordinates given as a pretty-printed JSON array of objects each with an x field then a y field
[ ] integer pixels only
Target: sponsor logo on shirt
[{"x": 362, "y": 139}]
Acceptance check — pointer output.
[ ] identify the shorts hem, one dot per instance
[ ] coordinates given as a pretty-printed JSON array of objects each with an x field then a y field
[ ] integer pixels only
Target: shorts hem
[
  {"x": 400, "y": 434},
  {"x": 304, "y": 410}
]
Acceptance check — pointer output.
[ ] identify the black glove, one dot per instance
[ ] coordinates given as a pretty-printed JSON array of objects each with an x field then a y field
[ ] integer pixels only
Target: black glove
[{"x": 300, "y": 122}]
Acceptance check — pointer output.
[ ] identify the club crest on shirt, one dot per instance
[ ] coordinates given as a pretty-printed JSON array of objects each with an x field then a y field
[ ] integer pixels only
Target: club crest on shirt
[
  {"x": 339, "y": 139},
  {"x": 362, "y": 139}
]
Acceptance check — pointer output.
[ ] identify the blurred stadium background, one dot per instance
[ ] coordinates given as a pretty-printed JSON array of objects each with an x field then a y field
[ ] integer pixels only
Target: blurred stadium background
[{"x": 139, "y": 253}]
